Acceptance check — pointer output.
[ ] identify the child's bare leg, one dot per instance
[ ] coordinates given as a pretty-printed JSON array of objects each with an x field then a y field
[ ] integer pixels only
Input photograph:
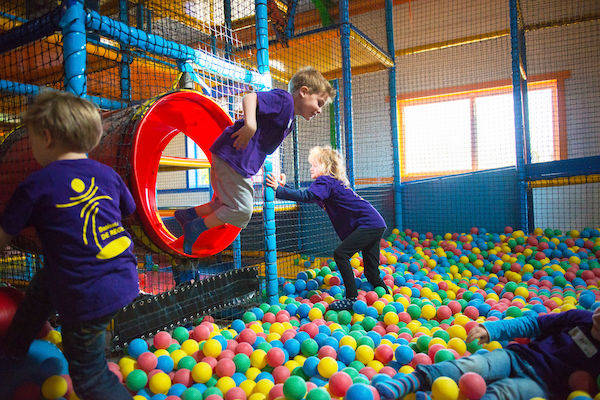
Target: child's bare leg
[{"x": 204, "y": 209}]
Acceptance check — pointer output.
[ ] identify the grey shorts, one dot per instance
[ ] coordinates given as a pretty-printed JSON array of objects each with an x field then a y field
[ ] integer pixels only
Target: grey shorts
[{"x": 233, "y": 198}]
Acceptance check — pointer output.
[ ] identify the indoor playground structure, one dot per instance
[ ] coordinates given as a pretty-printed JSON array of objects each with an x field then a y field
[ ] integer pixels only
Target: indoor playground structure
[{"x": 471, "y": 126}]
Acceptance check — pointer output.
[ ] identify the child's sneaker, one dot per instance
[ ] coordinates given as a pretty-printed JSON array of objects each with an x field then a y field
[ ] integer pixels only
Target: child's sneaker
[
  {"x": 185, "y": 216},
  {"x": 191, "y": 231},
  {"x": 345, "y": 304}
]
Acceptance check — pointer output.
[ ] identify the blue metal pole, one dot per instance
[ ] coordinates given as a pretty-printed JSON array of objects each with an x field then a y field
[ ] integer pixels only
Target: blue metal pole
[
  {"x": 74, "y": 41},
  {"x": 236, "y": 246},
  {"x": 389, "y": 25},
  {"x": 270, "y": 238},
  {"x": 336, "y": 115},
  {"x": 262, "y": 36},
  {"x": 289, "y": 29},
  {"x": 125, "y": 80},
  {"x": 347, "y": 81},
  {"x": 519, "y": 79},
  {"x": 262, "y": 59}
]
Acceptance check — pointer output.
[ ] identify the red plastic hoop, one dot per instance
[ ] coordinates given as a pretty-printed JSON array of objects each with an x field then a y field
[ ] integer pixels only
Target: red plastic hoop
[{"x": 202, "y": 120}]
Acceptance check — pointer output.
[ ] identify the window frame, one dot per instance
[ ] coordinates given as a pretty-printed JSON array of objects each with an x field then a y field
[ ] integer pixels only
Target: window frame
[{"x": 554, "y": 81}]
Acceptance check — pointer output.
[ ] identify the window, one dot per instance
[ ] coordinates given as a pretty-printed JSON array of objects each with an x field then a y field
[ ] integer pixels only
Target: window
[{"x": 470, "y": 129}]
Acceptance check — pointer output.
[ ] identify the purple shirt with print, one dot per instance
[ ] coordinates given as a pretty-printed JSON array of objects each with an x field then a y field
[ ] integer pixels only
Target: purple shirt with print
[
  {"x": 274, "y": 120},
  {"x": 76, "y": 206},
  {"x": 346, "y": 209}
]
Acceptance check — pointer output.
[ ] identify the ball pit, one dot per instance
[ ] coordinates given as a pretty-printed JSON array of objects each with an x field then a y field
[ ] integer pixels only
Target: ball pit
[{"x": 442, "y": 286}]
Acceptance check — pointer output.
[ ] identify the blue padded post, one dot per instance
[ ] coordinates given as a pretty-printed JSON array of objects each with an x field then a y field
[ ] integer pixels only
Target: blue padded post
[
  {"x": 125, "y": 78},
  {"x": 389, "y": 25},
  {"x": 262, "y": 36},
  {"x": 347, "y": 80},
  {"x": 519, "y": 80},
  {"x": 336, "y": 115},
  {"x": 270, "y": 238},
  {"x": 72, "y": 24}
]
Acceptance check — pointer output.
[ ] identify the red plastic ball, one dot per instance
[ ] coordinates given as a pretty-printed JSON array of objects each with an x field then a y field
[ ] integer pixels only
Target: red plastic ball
[
  {"x": 275, "y": 357},
  {"x": 472, "y": 386},
  {"x": 339, "y": 383}
]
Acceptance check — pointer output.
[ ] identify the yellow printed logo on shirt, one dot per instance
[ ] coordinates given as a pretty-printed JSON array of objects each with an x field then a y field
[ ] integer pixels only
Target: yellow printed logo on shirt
[{"x": 91, "y": 205}]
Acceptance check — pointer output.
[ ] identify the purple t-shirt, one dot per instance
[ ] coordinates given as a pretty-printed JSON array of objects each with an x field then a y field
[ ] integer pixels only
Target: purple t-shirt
[
  {"x": 274, "y": 120},
  {"x": 563, "y": 345},
  {"x": 346, "y": 209},
  {"x": 76, "y": 207}
]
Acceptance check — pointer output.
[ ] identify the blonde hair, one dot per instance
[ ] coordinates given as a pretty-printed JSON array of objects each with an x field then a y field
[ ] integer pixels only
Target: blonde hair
[
  {"x": 313, "y": 80},
  {"x": 72, "y": 121},
  {"x": 331, "y": 160}
]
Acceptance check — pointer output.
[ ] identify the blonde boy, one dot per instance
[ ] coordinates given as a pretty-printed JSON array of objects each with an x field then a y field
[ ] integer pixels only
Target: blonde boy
[
  {"x": 76, "y": 205},
  {"x": 240, "y": 151}
]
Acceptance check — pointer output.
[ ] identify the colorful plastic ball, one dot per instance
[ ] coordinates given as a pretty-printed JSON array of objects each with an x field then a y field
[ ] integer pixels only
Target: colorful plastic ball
[
  {"x": 136, "y": 380},
  {"x": 294, "y": 388},
  {"x": 165, "y": 363},
  {"x": 472, "y": 386},
  {"x": 242, "y": 362},
  {"x": 359, "y": 391},
  {"x": 364, "y": 354},
  {"x": 162, "y": 340},
  {"x": 318, "y": 394},
  {"x": 202, "y": 372},
  {"x": 160, "y": 383},
  {"x": 225, "y": 367},
  {"x": 137, "y": 347},
  {"x": 327, "y": 367},
  {"x": 235, "y": 393},
  {"x": 339, "y": 383},
  {"x": 444, "y": 388},
  {"x": 212, "y": 348},
  {"x": 54, "y": 387},
  {"x": 275, "y": 357},
  {"x": 404, "y": 354},
  {"x": 191, "y": 394},
  {"x": 443, "y": 355},
  {"x": 147, "y": 361}
]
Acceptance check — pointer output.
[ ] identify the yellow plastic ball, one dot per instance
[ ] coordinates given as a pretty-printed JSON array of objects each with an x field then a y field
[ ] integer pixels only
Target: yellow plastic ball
[
  {"x": 428, "y": 311},
  {"x": 375, "y": 364},
  {"x": 248, "y": 386},
  {"x": 160, "y": 383},
  {"x": 364, "y": 354},
  {"x": 190, "y": 346},
  {"x": 348, "y": 341},
  {"x": 578, "y": 393},
  {"x": 225, "y": 383},
  {"x": 355, "y": 263},
  {"x": 252, "y": 373},
  {"x": 257, "y": 396},
  {"x": 161, "y": 352},
  {"x": 177, "y": 355},
  {"x": 457, "y": 331},
  {"x": 258, "y": 358},
  {"x": 457, "y": 345},
  {"x": 493, "y": 345},
  {"x": 406, "y": 369},
  {"x": 54, "y": 387},
  {"x": 315, "y": 314},
  {"x": 54, "y": 336},
  {"x": 202, "y": 372},
  {"x": 390, "y": 318},
  {"x": 327, "y": 366},
  {"x": 444, "y": 388},
  {"x": 263, "y": 386},
  {"x": 212, "y": 348}
]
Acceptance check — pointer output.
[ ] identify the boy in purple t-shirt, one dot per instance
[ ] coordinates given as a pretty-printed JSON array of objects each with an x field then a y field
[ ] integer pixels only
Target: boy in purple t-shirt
[
  {"x": 240, "y": 151},
  {"x": 76, "y": 206},
  {"x": 357, "y": 223},
  {"x": 562, "y": 344}
]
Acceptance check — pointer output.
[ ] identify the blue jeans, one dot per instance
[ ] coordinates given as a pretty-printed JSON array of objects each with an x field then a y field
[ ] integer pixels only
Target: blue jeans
[
  {"x": 83, "y": 344},
  {"x": 508, "y": 377}
]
